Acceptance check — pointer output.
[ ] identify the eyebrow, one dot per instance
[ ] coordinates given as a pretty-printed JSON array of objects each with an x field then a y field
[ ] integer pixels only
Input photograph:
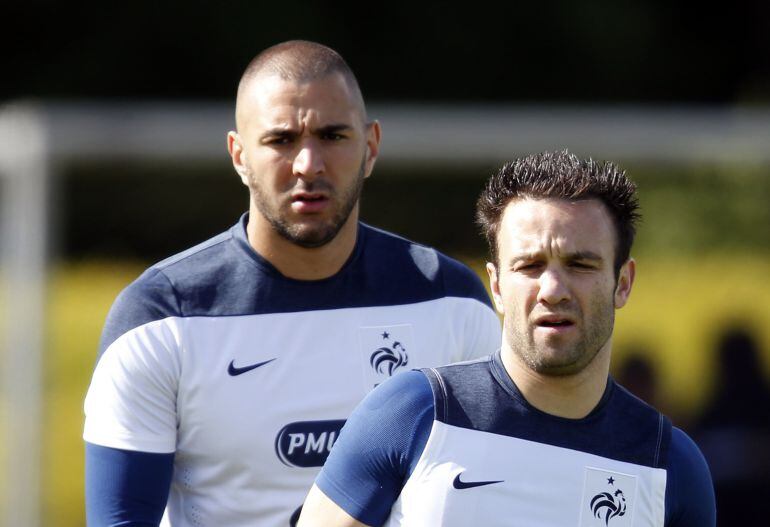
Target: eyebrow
[
  {"x": 290, "y": 132},
  {"x": 332, "y": 128},
  {"x": 584, "y": 255},
  {"x": 577, "y": 255}
]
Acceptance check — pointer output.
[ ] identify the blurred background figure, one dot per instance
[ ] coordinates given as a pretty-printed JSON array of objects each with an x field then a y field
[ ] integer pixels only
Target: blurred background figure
[
  {"x": 637, "y": 373},
  {"x": 734, "y": 431}
]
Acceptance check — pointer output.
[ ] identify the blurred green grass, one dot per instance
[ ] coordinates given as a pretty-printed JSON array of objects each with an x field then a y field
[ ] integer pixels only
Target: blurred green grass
[{"x": 677, "y": 307}]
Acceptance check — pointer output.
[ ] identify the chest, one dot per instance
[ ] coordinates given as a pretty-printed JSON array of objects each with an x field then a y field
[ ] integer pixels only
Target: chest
[
  {"x": 280, "y": 385},
  {"x": 465, "y": 477}
]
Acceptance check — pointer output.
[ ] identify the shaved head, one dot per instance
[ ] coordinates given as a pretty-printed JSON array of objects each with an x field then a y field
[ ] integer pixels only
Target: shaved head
[{"x": 300, "y": 61}]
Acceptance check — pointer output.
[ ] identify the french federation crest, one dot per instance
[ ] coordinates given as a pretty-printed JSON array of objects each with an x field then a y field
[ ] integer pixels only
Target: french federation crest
[
  {"x": 606, "y": 505},
  {"x": 607, "y": 499},
  {"x": 384, "y": 352}
]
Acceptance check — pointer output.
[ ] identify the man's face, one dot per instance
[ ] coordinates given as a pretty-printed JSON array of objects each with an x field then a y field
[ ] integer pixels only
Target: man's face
[
  {"x": 555, "y": 283},
  {"x": 303, "y": 149}
]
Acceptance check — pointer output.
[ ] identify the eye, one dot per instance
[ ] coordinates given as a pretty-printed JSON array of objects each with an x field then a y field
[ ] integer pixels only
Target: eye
[
  {"x": 524, "y": 267},
  {"x": 332, "y": 136},
  {"x": 582, "y": 265},
  {"x": 278, "y": 139}
]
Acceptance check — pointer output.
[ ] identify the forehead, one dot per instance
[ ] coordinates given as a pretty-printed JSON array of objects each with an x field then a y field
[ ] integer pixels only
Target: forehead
[
  {"x": 270, "y": 101},
  {"x": 555, "y": 226}
]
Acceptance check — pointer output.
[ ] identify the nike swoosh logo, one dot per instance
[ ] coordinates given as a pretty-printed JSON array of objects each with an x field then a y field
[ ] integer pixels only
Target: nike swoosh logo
[
  {"x": 234, "y": 371},
  {"x": 459, "y": 484}
]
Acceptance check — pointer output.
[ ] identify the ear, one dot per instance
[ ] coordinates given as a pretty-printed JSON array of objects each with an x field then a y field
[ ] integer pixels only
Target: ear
[
  {"x": 235, "y": 148},
  {"x": 625, "y": 282},
  {"x": 494, "y": 286},
  {"x": 373, "y": 134}
]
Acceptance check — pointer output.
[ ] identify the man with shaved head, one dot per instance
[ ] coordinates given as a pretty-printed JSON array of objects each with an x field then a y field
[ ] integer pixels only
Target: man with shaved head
[{"x": 226, "y": 372}]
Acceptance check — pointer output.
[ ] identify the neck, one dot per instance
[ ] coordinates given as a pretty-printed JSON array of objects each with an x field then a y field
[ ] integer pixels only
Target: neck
[
  {"x": 570, "y": 396},
  {"x": 301, "y": 263}
]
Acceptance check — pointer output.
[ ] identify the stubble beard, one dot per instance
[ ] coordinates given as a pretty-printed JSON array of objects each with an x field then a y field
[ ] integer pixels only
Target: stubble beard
[
  {"x": 563, "y": 359},
  {"x": 311, "y": 237}
]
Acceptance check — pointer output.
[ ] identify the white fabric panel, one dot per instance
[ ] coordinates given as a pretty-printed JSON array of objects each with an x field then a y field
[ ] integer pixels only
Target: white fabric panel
[
  {"x": 165, "y": 387},
  {"x": 538, "y": 485}
]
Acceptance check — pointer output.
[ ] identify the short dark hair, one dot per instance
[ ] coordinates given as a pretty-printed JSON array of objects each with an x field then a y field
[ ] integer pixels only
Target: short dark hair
[
  {"x": 561, "y": 175},
  {"x": 301, "y": 61}
]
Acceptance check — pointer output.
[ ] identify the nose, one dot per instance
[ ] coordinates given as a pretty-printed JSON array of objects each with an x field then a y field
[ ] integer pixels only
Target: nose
[
  {"x": 553, "y": 287},
  {"x": 308, "y": 162}
]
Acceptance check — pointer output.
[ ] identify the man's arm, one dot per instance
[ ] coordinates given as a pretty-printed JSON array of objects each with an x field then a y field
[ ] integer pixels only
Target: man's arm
[
  {"x": 324, "y": 512},
  {"x": 690, "y": 500},
  {"x": 125, "y": 488},
  {"x": 375, "y": 454},
  {"x": 130, "y": 427}
]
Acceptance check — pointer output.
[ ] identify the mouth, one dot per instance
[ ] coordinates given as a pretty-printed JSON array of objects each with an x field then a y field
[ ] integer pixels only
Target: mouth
[
  {"x": 554, "y": 322},
  {"x": 308, "y": 196},
  {"x": 309, "y": 202}
]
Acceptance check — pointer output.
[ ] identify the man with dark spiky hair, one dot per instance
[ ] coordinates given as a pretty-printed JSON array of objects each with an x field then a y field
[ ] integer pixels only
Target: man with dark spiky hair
[
  {"x": 537, "y": 433},
  {"x": 227, "y": 371}
]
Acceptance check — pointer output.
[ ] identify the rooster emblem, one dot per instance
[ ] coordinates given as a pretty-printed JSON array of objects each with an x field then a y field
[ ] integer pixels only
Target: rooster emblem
[
  {"x": 607, "y": 506},
  {"x": 386, "y": 360}
]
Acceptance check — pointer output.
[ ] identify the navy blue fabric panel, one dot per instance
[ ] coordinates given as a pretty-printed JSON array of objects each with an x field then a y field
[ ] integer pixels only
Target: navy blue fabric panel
[
  {"x": 434, "y": 270},
  {"x": 379, "y": 447},
  {"x": 226, "y": 277},
  {"x": 384, "y": 269},
  {"x": 481, "y": 396},
  {"x": 150, "y": 297},
  {"x": 125, "y": 488},
  {"x": 690, "y": 500}
]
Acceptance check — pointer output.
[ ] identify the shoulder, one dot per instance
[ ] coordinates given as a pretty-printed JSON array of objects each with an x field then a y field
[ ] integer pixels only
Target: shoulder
[
  {"x": 379, "y": 447},
  {"x": 686, "y": 459},
  {"x": 690, "y": 497},
  {"x": 176, "y": 286},
  {"x": 423, "y": 264},
  {"x": 461, "y": 379},
  {"x": 195, "y": 256},
  {"x": 464, "y": 392},
  {"x": 402, "y": 395},
  {"x": 149, "y": 298},
  {"x": 192, "y": 269},
  {"x": 205, "y": 264},
  {"x": 391, "y": 415}
]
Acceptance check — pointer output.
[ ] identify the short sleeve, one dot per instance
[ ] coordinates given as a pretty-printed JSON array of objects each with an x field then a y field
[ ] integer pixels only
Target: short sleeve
[
  {"x": 690, "y": 498},
  {"x": 131, "y": 402},
  {"x": 483, "y": 333},
  {"x": 379, "y": 447},
  {"x": 476, "y": 320}
]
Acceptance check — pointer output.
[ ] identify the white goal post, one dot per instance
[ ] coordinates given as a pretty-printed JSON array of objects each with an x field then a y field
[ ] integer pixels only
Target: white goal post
[
  {"x": 25, "y": 173},
  {"x": 38, "y": 140}
]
